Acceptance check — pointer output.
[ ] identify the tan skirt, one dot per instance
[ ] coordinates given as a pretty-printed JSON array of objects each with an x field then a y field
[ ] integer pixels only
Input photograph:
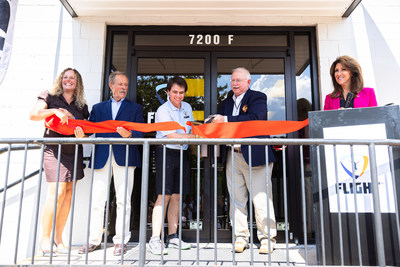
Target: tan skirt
[{"x": 50, "y": 162}]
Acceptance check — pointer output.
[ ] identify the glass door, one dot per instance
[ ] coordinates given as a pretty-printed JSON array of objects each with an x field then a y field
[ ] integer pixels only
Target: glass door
[
  {"x": 153, "y": 71},
  {"x": 270, "y": 75}
]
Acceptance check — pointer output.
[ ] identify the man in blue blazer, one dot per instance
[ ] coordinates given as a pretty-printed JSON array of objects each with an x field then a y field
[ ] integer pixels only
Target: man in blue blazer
[
  {"x": 246, "y": 105},
  {"x": 117, "y": 108}
]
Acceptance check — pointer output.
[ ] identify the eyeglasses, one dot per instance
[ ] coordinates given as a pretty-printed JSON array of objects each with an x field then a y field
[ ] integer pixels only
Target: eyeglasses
[{"x": 238, "y": 81}]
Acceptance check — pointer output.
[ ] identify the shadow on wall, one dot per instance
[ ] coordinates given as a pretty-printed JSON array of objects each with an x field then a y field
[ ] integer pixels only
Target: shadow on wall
[{"x": 385, "y": 66}]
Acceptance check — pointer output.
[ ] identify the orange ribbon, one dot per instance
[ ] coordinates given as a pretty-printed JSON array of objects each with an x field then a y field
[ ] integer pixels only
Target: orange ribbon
[
  {"x": 211, "y": 130},
  {"x": 246, "y": 128},
  {"x": 53, "y": 123}
]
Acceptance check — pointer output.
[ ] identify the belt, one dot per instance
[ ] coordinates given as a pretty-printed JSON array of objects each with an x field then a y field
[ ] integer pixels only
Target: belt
[{"x": 236, "y": 150}]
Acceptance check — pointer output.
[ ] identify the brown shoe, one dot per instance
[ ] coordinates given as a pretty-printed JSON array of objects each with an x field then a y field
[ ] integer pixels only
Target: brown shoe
[
  {"x": 118, "y": 249},
  {"x": 240, "y": 245},
  {"x": 90, "y": 248}
]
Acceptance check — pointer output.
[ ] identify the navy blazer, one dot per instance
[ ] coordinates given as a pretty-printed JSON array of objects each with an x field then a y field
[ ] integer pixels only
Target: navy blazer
[
  {"x": 255, "y": 104},
  {"x": 128, "y": 111}
]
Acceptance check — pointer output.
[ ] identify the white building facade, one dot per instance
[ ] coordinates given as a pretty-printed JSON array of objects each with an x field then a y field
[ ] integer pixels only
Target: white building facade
[{"x": 50, "y": 36}]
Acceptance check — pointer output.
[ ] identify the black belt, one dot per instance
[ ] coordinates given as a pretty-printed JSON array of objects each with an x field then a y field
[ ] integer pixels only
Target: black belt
[{"x": 236, "y": 149}]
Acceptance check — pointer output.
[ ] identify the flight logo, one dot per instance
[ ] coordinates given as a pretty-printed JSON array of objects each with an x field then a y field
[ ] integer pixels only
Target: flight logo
[{"x": 360, "y": 165}]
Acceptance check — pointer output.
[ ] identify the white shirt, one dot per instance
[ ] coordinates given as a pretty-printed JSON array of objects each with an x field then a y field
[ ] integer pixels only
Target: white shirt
[
  {"x": 237, "y": 101},
  {"x": 168, "y": 112},
  {"x": 236, "y": 108},
  {"x": 236, "y": 104}
]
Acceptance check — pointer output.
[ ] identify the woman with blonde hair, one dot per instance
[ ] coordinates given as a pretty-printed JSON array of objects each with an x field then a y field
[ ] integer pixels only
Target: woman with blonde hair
[
  {"x": 348, "y": 84},
  {"x": 66, "y": 101}
]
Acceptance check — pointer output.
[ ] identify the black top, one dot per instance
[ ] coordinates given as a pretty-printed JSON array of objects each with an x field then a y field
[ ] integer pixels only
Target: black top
[
  {"x": 60, "y": 102},
  {"x": 343, "y": 102}
]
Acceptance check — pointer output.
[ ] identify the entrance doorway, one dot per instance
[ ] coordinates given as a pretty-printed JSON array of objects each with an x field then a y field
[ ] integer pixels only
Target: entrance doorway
[{"x": 208, "y": 77}]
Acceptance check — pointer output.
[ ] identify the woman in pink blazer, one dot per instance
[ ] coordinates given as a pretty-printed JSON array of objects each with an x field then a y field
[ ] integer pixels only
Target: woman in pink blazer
[{"x": 347, "y": 77}]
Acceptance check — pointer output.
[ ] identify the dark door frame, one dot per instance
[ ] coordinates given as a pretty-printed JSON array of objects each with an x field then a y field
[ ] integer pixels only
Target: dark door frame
[{"x": 294, "y": 196}]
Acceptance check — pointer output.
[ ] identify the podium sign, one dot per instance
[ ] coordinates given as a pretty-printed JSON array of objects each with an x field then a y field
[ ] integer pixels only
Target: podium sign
[
  {"x": 361, "y": 123},
  {"x": 360, "y": 166}
]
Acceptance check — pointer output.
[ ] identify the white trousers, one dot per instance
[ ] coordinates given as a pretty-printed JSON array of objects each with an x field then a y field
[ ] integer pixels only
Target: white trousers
[
  {"x": 100, "y": 187},
  {"x": 259, "y": 194}
]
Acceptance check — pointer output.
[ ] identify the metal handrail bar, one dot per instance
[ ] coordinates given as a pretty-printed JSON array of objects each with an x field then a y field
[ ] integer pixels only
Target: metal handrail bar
[
  {"x": 16, "y": 148},
  {"x": 19, "y": 180},
  {"x": 206, "y": 141},
  {"x": 32, "y": 174}
]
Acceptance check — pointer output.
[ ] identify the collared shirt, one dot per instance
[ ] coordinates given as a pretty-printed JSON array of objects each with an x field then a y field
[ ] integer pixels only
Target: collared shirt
[
  {"x": 168, "y": 112},
  {"x": 115, "y": 107},
  {"x": 236, "y": 104},
  {"x": 237, "y": 101}
]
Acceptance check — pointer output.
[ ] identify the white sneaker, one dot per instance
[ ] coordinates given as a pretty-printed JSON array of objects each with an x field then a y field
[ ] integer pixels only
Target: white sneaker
[
  {"x": 173, "y": 242},
  {"x": 155, "y": 246}
]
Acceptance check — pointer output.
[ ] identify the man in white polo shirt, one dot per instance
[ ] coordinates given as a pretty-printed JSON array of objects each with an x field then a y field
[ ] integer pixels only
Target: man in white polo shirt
[{"x": 175, "y": 109}]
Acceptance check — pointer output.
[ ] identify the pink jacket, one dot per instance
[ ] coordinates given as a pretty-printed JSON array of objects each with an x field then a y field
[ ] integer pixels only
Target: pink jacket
[{"x": 365, "y": 98}]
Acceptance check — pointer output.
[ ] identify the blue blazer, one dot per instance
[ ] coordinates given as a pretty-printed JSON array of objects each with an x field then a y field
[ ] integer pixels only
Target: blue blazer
[
  {"x": 128, "y": 111},
  {"x": 255, "y": 104}
]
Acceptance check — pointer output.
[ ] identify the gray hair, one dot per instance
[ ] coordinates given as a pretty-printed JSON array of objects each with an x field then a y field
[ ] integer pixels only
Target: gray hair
[
  {"x": 243, "y": 70},
  {"x": 112, "y": 76}
]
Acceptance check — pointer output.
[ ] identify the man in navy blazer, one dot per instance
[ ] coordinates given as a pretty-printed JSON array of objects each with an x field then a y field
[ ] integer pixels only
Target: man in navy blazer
[
  {"x": 117, "y": 108},
  {"x": 246, "y": 105}
]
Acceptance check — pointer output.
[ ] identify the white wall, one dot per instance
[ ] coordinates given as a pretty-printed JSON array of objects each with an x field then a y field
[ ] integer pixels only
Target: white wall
[
  {"x": 372, "y": 36},
  {"x": 46, "y": 41}
]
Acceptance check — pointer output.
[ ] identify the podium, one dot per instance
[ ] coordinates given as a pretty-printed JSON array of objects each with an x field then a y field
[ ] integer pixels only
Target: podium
[{"x": 342, "y": 196}]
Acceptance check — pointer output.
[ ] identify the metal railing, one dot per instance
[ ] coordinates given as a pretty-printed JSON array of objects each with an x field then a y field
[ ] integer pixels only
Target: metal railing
[{"x": 319, "y": 193}]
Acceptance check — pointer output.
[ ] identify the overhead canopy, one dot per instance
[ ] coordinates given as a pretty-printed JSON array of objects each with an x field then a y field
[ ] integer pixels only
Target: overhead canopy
[{"x": 206, "y": 8}]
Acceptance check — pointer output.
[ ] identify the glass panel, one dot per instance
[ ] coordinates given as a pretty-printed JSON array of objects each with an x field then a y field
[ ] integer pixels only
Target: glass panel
[
  {"x": 211, "y": 40},
  {"x": 119, "y": 52},
  {"x": 304, "y": 105},
  {"x": 267, "y": 76},
  {"x": 152, "y": 78}
]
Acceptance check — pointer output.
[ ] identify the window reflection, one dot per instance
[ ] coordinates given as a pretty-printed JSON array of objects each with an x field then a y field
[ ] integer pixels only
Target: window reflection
[{"x": 119, "y": 52}]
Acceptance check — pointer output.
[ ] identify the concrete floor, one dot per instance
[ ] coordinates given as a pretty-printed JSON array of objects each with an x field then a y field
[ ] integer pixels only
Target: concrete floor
[{"x": 294, "y": 255}]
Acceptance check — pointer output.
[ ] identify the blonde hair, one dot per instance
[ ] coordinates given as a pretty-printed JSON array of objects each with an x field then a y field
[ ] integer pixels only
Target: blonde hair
[
  {"x": 357, "y": 81},
  {"x": 79, "y": 94}
]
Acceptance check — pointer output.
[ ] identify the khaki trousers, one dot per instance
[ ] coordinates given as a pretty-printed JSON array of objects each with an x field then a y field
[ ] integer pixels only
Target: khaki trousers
[
  {"x": 100, "y": 187},
  {"x": 241, "y": 183}
]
